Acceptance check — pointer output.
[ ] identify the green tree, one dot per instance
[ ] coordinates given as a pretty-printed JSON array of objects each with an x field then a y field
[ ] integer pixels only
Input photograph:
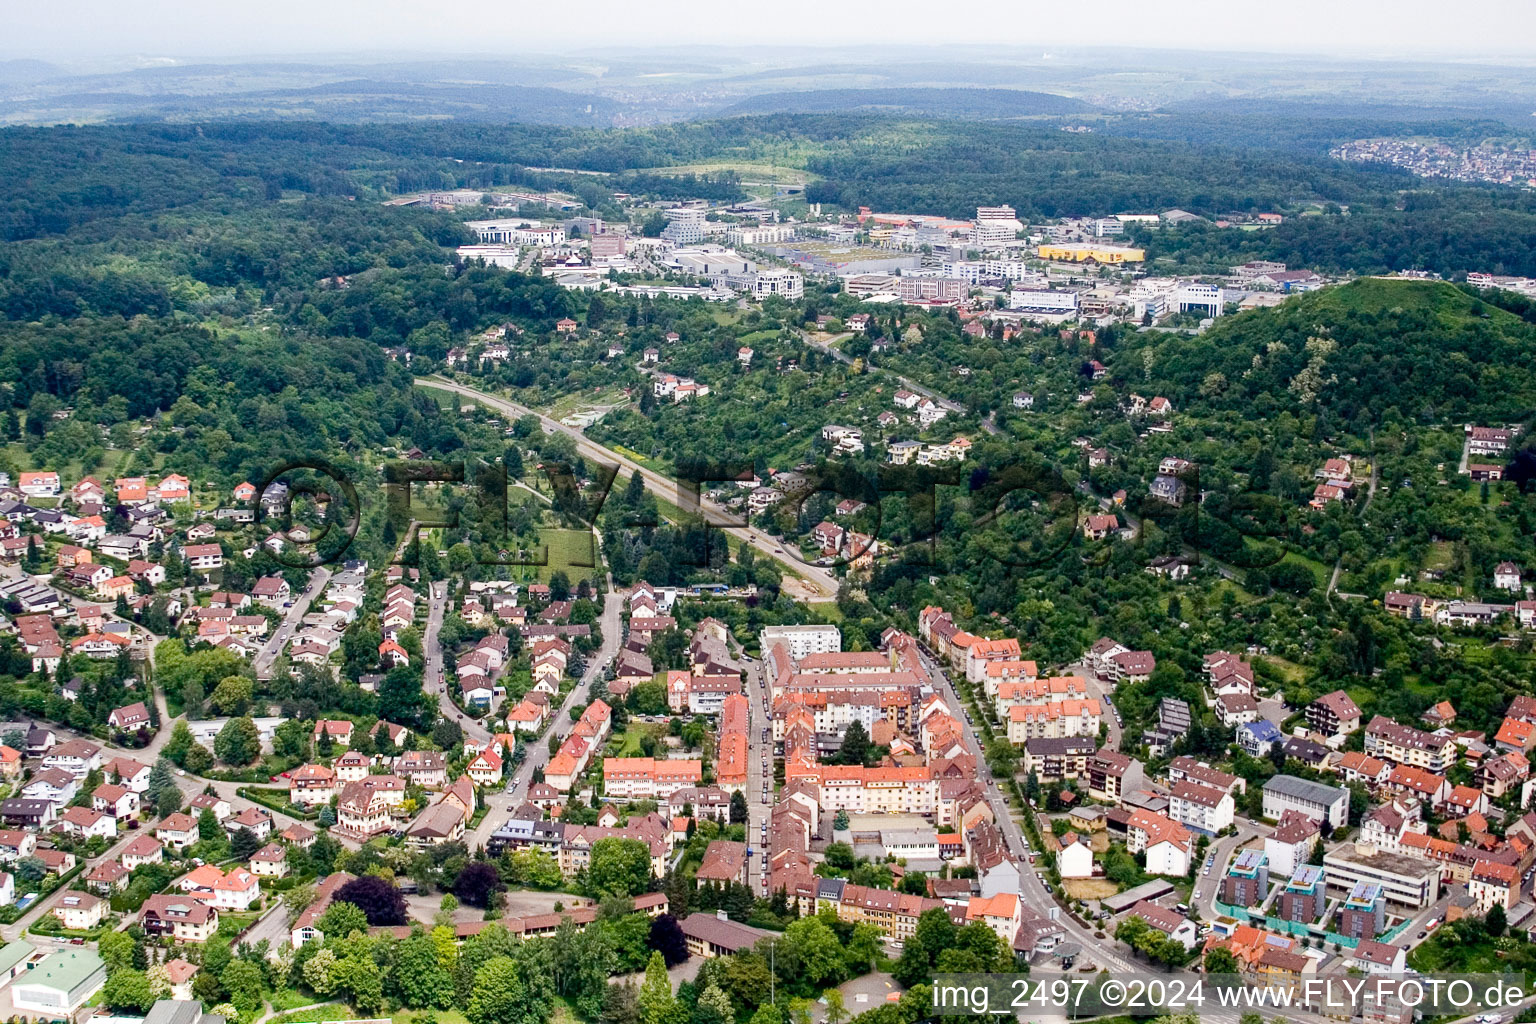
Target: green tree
[
  {"x": 292, "y": 739},
  {"x": 1220, "y": 961},
  {"x": 128, "y": 989},
  {"x": 836, "y": 1012},
  {"x": 657, "y": 1003},
  {"x": 163, "y": 792},
  {"x": 619, "y": 867},
  {"x": 238, "y": 743},
  {"x": 364, "y": 981},
  {"x": 855, "y": 747},
  {"x": 232, "y": 696},
  {"x": 812, "y": 952},
  {"x": 180, "y": 742},
  {"x": 714, "y": 1007},
  {"x": 320, "y": 972},
  {"x": 243, "y": 844},
  {"x": 243, "y": 981},
  {"x": 199, "y": 760},
  {"x": 342, "y": 919},
  {"x": 502, "y": 995},
  {"x": 116, "y": 948},
  {"x": 419, "y": 975}
]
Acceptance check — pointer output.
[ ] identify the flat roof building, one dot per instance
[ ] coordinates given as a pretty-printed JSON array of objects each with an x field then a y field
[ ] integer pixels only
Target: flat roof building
[
  {"x": 803, "y": 641},
  {"x": 1405, "y": 881}
]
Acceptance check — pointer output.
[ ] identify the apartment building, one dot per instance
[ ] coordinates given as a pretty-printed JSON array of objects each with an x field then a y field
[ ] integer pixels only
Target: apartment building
[
  {"x": 802, "y": 641},
  {"x": 1246, "y": 883},
  {"x": 1053, "y": 719},
  {"x": 1334, "y": 714},
  {"x": 645, "y": 778},
  {"x": 1403, "y": 744},
  {"x": 1202, "y": 808}
]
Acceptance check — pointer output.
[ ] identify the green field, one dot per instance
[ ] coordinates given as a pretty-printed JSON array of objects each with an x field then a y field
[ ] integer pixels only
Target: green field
[
  {"x": 567, "y": 550},
  {"x": 70, "y": 472},
  {"x": 1319, "y": 571}
]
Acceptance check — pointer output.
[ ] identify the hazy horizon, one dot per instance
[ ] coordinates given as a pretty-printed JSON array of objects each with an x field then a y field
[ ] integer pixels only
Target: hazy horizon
[{"x": 85, "y": 31}]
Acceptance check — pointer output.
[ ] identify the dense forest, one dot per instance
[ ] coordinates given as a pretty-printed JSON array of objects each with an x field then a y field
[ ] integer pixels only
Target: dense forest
[
  {"x": 1356, "y": 354},
  {"x": 1449, "y": 233}
]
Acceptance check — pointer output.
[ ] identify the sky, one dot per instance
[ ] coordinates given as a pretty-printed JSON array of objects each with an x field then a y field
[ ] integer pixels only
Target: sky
[{"x": 72, "y": 30}]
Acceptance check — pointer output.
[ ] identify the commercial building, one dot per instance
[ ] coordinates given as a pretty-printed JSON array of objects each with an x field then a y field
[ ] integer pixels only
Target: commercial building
[
  {"x": 1315, "y": 799},
  {"x": 1091, "y": 253},
  {"x": 1042, "y": 300},
  {"x": 685, "y": 225},
  {"x": 60, "y": 984},
  {"x": 1405, "y": 881}
]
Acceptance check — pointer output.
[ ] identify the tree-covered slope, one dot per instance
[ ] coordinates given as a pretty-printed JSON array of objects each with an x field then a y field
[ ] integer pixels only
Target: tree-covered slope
[{"x": 1360, "y": 353}]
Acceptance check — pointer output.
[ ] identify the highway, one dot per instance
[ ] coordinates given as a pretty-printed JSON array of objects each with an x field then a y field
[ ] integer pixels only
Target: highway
[{"x": 818, "y": 584}]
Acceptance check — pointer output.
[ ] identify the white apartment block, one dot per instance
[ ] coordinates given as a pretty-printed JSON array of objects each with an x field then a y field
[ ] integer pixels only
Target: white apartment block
[{"x": 802, "y": 641}]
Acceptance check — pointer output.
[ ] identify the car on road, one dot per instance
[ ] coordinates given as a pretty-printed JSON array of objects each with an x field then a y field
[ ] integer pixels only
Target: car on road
[{"x": 1423, "y": 934}]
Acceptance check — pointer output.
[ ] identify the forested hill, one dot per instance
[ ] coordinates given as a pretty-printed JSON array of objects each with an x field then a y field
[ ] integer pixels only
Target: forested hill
[
  {"x": 57, "y": 178},
  {"x": 1358, "y": 355},
  {"x": 977, "y": 103}
]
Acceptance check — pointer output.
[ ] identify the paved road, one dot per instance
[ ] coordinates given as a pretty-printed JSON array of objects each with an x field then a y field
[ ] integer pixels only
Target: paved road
[
  {"x": 1102, "y": 952},
  {"x": 501, "y": 803},
  {"x": 759, "y": 769},
  {"x": 822, "y": 585},
  {"x": 73, "y": 603},
  {"x": 434, "y": 680},
  {"x": 1221, "y": 851},
  {"x": 293, "y": 620}
]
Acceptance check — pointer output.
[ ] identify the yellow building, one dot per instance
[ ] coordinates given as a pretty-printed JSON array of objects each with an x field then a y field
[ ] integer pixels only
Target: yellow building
[{"x": 1096, "y": 253}]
